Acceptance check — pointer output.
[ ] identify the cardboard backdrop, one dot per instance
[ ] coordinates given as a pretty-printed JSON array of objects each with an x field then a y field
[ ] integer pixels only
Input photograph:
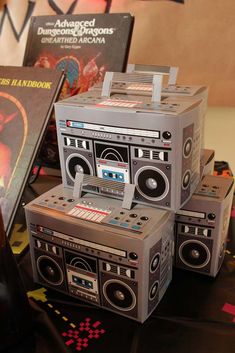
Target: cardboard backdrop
[{"x": 198, "y": 36}]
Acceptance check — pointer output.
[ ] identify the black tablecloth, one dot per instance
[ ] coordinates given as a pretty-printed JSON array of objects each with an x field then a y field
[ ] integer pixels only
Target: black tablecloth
[{"x": 196, "y": 315}]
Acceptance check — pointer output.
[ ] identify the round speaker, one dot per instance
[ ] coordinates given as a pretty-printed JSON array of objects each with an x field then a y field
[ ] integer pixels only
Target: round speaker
[
  {"x": 186, "y": 179},
  {"x": 155, "y": 262},
  {"x": 187, "y": 147},
  {"x": 153, "y": 290},
  {"x": 77, "y": 163},
  {"x": 194, "y": 253},
  {"x": 49, "y": 270},
  {"x": 151, "y": 183},
  {"x": 119, "y": 295}
]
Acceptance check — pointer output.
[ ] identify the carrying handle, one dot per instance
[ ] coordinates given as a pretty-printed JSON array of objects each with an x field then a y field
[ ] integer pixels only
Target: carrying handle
[
  {"x": 153, "y": 80},
  {"x": 115, "y": 187},
  {"x": 171, "y": 71}
]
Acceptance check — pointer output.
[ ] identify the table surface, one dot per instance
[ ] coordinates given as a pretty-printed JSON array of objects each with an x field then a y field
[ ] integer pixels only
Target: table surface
[{"x": 196, "y": 315}]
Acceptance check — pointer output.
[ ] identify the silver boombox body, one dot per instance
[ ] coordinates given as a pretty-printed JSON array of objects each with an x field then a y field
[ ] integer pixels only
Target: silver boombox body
[
  {"x": 202, "y": 226},
  {"x": 93, "y": 249},
  {"x": 152, "y": 144}
]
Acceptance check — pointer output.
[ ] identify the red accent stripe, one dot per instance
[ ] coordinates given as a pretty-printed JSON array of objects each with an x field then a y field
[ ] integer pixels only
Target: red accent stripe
[{"x": 91, "y": 210}]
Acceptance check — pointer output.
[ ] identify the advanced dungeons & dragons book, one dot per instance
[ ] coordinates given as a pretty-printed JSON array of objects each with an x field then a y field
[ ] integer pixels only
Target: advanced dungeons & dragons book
[
  {"x": 84, "y": 46},
  {"x": 27, "y": 95}
]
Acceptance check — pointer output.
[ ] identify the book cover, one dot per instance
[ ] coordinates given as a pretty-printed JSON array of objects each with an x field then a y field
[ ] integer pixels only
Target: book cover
[
  {"x": 27, "y": 96},
  {"x": 85, "y": 46}
]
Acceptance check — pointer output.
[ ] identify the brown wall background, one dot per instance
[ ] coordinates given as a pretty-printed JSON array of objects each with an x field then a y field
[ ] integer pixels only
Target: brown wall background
[{"x": 198, "y": 37}]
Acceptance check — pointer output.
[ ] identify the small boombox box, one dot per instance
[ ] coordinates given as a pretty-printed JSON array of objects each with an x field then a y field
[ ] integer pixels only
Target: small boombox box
[
  {"x": 150, "y": 142},
  {"x": 93, "y": 249},
  {"x": 201, "y": 226}
]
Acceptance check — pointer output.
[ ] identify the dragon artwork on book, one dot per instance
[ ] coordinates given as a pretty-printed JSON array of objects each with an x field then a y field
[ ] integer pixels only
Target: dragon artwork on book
[
  {"x": 11, "y": 144},
  {"x": 81, "y": 74}
]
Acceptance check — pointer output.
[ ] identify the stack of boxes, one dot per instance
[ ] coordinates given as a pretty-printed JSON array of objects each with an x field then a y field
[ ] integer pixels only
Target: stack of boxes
[{"x": 133, "y": 169}]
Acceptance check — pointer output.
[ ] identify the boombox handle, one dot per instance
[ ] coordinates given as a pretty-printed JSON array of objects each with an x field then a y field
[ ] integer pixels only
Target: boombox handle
[
  {"x": 85, "y": 180},
  {"x": 154, "y": 79},
  {"x": 171, "y": 71}
]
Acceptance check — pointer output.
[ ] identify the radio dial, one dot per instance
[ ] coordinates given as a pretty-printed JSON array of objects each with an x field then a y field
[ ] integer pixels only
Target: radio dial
[
  {"x": 211, "y": 216},
  {"x": 133, "y": 256},
  {"x": 166, "y": 135},
  {"x": 133, "y": 215},
  {"x": 144, "y": 218}
]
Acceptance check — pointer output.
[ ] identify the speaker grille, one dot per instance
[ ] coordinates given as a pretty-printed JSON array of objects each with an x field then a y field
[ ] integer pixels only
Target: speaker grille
[
  {"x": 77, "y": 143},
  {"x": 118, "y": 270},
  {"x": 49, "y": 270},
  {"x": 194, "y": 230},
  {"x": 151, "y": 183},
  {"x": 119, "y": 294},
  {"x": 193, "y": 254},
  {"x": 144, "y": 153}
]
